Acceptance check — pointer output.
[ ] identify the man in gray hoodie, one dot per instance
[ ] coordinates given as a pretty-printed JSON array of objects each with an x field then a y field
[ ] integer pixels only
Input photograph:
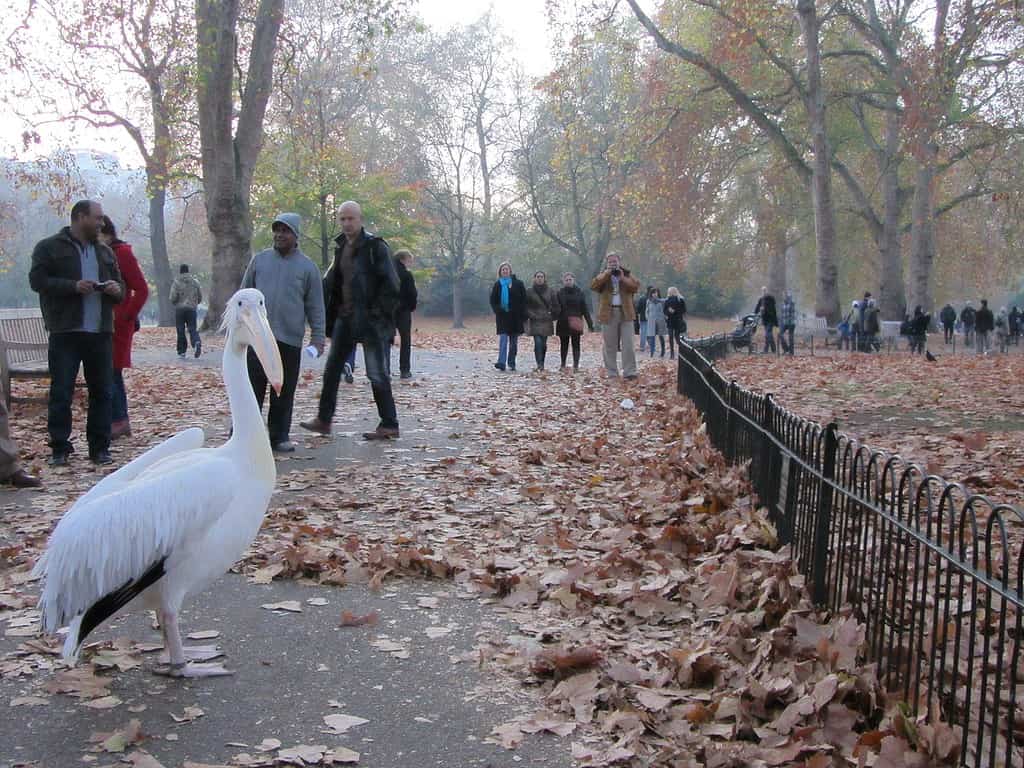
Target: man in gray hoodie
[
  {"x": 186, "y": 295},
  {"x": 291, "y": 285}
]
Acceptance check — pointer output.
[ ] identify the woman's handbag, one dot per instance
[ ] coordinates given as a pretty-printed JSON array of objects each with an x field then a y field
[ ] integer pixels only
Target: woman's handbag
[{"x": 575, "y": 324}]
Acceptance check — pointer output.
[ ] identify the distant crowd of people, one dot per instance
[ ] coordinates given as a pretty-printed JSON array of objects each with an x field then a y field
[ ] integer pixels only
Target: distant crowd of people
[
  {"x": 979, "y": 326},
  {"x": 541, "y": 311}
]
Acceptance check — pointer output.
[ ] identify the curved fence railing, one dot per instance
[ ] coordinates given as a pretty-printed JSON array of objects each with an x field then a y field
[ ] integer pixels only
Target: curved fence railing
[{"x": 935, "y": 573}]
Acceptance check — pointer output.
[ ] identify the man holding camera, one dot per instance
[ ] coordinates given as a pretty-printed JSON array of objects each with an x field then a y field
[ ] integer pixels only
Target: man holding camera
[
  {"x": 78, "y": 283},
  {"x": 615, "y": 311}
]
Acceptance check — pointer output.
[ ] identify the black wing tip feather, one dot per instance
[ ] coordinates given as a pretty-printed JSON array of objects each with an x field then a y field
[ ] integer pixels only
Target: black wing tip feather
[{"x": 114, "y": 601}]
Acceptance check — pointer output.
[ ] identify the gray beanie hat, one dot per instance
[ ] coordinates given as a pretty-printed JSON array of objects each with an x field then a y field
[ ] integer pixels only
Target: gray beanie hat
[{"x": 291, "y": 220}]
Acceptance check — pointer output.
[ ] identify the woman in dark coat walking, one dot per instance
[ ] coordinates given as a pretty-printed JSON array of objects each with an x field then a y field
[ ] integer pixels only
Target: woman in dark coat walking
[
  {"x": 508, "y": 301},
  {"x": 541, "y": 310},
  {"x": 126, "y": 318},
  {"x": 573, "y": 312},
  {"x": 675, "y": 318}
]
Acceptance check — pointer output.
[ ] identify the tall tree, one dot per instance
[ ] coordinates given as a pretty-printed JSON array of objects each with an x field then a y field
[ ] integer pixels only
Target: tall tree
[
  {"x": 231, "y": 138},
  {"x": 573, "y": 157},
  {"x": 762, "y": 107},
  {"x": 452, "y": 96},
  {"x": 145, "y": 39}
]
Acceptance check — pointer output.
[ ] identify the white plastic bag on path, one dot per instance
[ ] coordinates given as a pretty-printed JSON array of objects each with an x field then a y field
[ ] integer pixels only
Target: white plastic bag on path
[{"x": 627, "y": 405}]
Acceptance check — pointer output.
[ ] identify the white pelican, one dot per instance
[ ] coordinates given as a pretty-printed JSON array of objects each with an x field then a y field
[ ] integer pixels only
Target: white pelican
[{"x": 169, "y": 523}]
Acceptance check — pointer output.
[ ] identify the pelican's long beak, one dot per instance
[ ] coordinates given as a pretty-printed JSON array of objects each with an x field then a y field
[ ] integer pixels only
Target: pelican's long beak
[{"x": 265, "y": 347}]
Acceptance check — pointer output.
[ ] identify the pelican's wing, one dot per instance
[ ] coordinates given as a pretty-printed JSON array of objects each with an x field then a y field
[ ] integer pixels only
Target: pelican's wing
[
  {"x": 107, "y": 544},
  {"x": 186, "y": 440}
]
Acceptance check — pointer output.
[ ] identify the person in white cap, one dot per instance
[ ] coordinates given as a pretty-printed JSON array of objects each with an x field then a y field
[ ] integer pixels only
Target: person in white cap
[{"x": 291, "y": 285}]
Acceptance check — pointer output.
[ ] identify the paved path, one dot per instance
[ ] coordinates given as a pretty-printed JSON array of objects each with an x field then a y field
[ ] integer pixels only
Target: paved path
[{"x": 292, "y": 669}]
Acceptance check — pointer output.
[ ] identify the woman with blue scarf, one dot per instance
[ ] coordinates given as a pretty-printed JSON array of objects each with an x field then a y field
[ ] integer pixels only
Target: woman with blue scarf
[{"x": 508, "y": 300}]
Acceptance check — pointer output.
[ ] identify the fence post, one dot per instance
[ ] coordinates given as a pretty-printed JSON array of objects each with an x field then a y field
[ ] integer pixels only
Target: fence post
[
  {"x": 764, "y": 470},
  {"x": 823, "y": 520},
  {"x": 730, "y": 423}
]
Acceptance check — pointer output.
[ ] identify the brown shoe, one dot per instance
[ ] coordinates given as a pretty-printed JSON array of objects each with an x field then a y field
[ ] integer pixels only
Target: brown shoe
[
  {"x": 120, "y": 428},
  {"x": 315, "y": 425},
  {"x": 382, "y": 433},
  {"x": 22, "y": 479}
]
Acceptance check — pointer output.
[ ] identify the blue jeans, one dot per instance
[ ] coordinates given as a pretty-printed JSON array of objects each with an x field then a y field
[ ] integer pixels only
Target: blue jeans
[
  {"x": 644, "y": 336},
  {"x": 508, "y": 348},
  {"x": 118, "y": 397},
  {"x": 375, "y": 356},
  {"x": 67, "y": 352}
]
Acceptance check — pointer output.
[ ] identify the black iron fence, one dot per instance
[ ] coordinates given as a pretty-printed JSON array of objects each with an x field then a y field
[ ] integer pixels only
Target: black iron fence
[{"x": 934, "y": 572}]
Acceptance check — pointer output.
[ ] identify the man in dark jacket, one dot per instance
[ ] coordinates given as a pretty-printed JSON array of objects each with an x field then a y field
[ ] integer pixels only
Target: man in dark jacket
[
  {"x": 984, "y": 322},
  {"x": 765, "y": 308},
  {"x": 406, "y": 306},
  {"x": 362, "y": 293},
  {"x": 968, "y": 317},
  {"x": 78, "y": 283},
  {"x": 948, "y": 318}
]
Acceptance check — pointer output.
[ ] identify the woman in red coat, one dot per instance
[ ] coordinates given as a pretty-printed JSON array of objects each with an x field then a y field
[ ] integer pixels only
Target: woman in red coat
[{"x": 126, "y": 320}]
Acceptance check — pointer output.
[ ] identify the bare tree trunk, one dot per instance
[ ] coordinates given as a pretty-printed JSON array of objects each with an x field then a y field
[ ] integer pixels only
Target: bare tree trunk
[
  {"x": 325, "y": 245},
  {"x": 892, "y": 300},
  {"x": 826, "y": 298},
  {"x": 922, "y": 231},
  {"x": 161, "y": 262},
  {"x": 231, "y": 138},
  {"x": 776, "y": 261},
  {"x": 458, "y": 319}
]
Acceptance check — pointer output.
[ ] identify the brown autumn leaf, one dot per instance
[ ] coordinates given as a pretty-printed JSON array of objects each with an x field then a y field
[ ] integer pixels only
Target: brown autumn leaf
[{"x": 349, "y": 619}]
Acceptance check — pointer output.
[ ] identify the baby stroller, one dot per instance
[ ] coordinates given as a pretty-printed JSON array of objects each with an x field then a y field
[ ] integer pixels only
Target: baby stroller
[{"x": 743, "y": 336}]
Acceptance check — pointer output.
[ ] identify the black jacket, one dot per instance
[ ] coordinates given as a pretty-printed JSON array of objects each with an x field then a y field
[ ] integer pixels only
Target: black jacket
[
  {"x": 641, "y": 308},
  {"x": 984, "y": 320},
  {"x": 375, "y": 289},
  {"x": 56, "y": 269},
  {"x": 513, "y": 321},
  {"x": 407, "y": 294},
  {"x": 572, "y": 302},
  {"x": 948, "y": 315},
  {"x": 766, "y": 309},
  {"x": 968, "y": 316},
  {"x": 676, "y": 318}
]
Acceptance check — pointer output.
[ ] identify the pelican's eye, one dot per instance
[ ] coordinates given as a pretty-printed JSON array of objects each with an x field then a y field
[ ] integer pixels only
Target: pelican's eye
[{"x": 239, "y": 303}]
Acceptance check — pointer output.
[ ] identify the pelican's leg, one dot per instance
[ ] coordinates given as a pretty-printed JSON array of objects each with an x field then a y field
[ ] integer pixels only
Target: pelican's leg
[{"x": 179, "y": 665}]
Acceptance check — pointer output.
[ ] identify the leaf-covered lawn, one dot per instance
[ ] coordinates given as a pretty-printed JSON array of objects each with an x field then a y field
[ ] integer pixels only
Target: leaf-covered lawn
[{"x": 962, "y": 418}]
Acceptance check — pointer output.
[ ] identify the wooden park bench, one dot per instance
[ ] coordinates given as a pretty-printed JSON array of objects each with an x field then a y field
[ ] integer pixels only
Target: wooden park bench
[
  {"x": 809, "y": 328},
  {"x": 890, "y": 336},
  {"x": 23, "y": 347}
]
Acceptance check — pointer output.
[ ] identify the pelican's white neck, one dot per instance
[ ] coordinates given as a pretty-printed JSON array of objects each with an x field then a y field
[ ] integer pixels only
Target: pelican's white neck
[{"x": 246, "y": 420}]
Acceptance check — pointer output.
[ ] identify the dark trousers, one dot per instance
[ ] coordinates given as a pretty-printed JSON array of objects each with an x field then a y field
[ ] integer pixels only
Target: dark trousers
[
  {"x": 947, "y": 331},
  {"x": 540, "y": 349},
  {"x": 94, "y": 353},
  {"x": 403, "y": 321},
  {"x": 769, "y": 337},
  {"x": 375, "y": 355},
  {"x": 661, "y": 341},
  {"x": 564, "y": 343},
  {"x": 186, "y": 318},
  {"x": 672, "y": 341},
  {"x": 786, "y": 339},
  {"x": 118, "y": 397},
  {"x": 279, "y": 417}
]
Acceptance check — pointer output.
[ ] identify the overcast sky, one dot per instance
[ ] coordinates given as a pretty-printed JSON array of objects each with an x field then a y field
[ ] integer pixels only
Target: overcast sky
[{"x": 525, "y": 21}]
